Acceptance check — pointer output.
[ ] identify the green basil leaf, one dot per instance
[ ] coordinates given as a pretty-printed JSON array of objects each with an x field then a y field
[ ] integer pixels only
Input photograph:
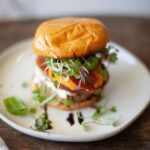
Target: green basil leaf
[{"x": 15, "y": 106}]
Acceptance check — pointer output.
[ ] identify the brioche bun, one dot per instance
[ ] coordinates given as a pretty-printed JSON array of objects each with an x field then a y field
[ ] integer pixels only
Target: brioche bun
[
  {"x": 75, "y": 105},
  {"x": 69, "y": 37}
]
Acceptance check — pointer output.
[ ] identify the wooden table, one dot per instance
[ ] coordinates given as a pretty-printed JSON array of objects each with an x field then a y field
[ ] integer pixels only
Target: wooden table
[{"x": 132, "y": 33}]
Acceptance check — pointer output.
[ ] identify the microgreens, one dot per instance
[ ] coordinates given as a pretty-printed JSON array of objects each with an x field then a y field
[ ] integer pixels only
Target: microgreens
[
  {"x": 79, "y": 68},
  {"x": 42, "y": 123},
  {"x": 41, "y": 95},
  {"x": 96, "y": 117},
  {"x": 112, "y": 58},
  {"x": 100, "y": 110}
]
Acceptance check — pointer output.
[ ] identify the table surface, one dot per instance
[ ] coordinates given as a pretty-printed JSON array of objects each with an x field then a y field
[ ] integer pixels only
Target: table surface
[{"x": 132, "y": 33}]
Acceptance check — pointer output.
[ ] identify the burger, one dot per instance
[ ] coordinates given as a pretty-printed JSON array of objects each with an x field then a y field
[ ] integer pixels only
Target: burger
[{"x": 71, "y": 55}]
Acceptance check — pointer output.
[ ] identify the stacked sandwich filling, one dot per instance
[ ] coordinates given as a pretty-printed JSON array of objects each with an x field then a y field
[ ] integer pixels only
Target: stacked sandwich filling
[
  {"x": 76, "y": 79},
  {"x": 71, "y": 53}
]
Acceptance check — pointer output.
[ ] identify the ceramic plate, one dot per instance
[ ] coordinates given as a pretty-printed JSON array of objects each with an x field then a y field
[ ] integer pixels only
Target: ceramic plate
[{"x": 128, "y": 89}]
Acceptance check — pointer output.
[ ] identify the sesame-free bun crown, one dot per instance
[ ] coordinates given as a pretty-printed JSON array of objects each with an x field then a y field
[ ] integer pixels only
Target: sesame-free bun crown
[{"x": 69, "y": 37}]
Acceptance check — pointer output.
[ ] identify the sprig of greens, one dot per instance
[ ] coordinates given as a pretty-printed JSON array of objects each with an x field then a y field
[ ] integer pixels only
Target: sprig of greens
[
  {"x": 16, "y": 106},
  {"x": 79, "y": 68},
  {"x": 112, "y": 58},
  {"x": 40, "y": 94},
  {"x": 42, "y": 123},
  {"x": 96, "y": 117}
]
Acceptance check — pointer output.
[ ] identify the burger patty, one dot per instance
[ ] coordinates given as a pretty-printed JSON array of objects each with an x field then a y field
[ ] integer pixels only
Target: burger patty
[{"x": 82, "y": 97}]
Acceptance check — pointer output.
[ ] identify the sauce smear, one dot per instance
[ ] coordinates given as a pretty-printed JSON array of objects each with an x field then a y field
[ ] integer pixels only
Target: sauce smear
[{"x": 70, "y": 119}]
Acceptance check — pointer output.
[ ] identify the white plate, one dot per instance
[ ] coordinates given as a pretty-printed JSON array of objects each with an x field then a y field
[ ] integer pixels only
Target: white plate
[{"x": 128, "y": 89}]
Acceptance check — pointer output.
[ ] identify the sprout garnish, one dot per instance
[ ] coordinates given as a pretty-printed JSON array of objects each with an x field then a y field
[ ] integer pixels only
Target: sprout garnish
[
  {"x": 79, "y": 68},
  {"x": 97, "y": 118}
]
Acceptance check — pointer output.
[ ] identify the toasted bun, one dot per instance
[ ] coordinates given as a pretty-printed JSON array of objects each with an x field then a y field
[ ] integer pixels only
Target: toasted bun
[
  {"x": 76, "y": 105},
  {"x": 69, "y": 37}
]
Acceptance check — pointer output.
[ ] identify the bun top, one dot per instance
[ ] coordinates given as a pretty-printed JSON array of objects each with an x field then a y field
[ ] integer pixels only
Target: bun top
[{"x": 69, "y": 37}]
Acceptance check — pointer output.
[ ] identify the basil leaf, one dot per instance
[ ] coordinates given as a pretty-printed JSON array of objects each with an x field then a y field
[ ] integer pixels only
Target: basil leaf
[{"x": 15, "y": 106}]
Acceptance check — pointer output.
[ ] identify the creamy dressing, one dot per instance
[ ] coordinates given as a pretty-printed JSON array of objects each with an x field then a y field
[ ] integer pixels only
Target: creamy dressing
[{"x": 40, "y": 77}]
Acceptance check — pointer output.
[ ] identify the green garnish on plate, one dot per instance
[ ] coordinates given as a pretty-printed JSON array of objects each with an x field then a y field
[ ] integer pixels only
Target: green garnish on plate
[
  {"x": 16, "y": 106},
  {"x": 42, "y": 123}
]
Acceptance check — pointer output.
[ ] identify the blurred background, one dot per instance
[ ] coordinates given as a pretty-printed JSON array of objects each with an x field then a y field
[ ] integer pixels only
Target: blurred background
[{"x": 38, "y": 9}]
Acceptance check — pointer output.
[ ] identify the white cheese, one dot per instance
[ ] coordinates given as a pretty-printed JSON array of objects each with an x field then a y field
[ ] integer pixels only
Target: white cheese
[{"x": 40, "y": 77}]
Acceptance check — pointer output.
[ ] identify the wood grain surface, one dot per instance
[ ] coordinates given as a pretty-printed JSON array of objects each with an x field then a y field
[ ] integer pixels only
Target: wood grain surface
[{"x": 132, "y": 33}]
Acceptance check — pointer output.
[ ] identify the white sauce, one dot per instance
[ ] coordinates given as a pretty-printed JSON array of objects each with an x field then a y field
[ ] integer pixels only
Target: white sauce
[{"x": 40, "y": 77}]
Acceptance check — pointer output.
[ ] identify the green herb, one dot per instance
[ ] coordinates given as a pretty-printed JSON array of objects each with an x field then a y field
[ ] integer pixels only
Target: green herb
[
  {"x": 33, "y": 110},
  {"x": 25, "y": 84},
  {"x": 99, "y": 112},
  {"x": 112, "y": 58},
  {"x": 42, "y": 123},
  {"x": 40, "y": 94},
  {"x": 92, "y": 62},
  {"x": 77, "y": 68},
  {"x": 96, "y": 117},
  {"x": 111, "y": 121},
  {"x": 15, "y": 106},
  {"x": 105, "y": 50},
  {"x": 67, "y": 102},
  {"x": 113, "y": 109}
]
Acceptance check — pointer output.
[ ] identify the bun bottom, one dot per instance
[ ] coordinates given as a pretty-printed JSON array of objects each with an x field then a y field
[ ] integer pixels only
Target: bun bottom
[{"x": 75, "y": 105}]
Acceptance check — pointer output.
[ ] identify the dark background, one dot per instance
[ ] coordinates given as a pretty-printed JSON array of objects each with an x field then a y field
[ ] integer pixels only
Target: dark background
[{"x": 132, "y": 33}]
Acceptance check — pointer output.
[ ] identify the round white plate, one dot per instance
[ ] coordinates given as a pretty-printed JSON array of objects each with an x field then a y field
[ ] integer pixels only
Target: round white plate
[{"x": 128, "y": 89}]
